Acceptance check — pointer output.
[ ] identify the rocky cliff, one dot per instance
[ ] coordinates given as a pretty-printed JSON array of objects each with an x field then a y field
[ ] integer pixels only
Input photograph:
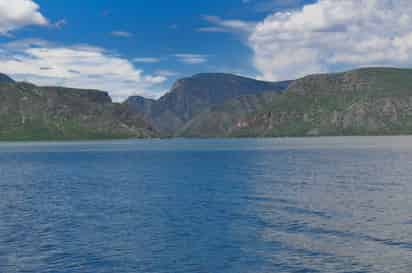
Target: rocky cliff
[
  {"x": 191, "y": 96},
  {"x": 372, "y": 101},
  {"x": 29, "y": 112}
]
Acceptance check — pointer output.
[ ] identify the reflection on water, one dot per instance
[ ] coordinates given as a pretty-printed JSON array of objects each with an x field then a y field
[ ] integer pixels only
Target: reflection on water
[{"x": 265, "y": 205}]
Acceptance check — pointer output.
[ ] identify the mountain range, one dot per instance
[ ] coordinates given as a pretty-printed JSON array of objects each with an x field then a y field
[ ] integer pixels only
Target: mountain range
[{"x": 367, "y": 101}]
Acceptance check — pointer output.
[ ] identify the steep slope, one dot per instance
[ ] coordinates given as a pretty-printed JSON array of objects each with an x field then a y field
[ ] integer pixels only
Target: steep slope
[
  {"x": 28, "y": 112},
  {"x": 221, "y": 120},
  {"x": 372, "y": 101},
  {"x": 190, "y": 96},
  {"x": 142, "y": 104},
  {"x": 5, "y": 79}
]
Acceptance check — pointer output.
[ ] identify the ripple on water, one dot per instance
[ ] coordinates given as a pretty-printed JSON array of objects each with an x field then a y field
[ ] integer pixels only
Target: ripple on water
[{"x": 265, "y": 205}]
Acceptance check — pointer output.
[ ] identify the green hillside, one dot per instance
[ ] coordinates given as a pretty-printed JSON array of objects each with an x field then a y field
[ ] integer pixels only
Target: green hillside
[{"x": 372, "y": 101}]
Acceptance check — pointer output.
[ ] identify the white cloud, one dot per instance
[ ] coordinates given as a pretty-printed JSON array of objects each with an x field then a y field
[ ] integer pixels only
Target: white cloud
[
  {"x": 191, "y": 58},
  {"x": 146, "y": 60},
  {"x": 15, "y": 14},
  {"x": 333, "y": 34},
  {"x": 227, "y": 25},
  {"x": 167, "y": 73},
  {"x": 324, "y": 36},
  {"x": 79, "y": 66},
  {"x": 121, "y": 34},
  {"x": 212, "y": 29}
]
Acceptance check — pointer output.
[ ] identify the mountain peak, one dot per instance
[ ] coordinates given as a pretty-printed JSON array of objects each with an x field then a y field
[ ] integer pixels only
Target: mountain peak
[
  {"x": 192, "y": 95},
  {"x": 214, "y": 75}
]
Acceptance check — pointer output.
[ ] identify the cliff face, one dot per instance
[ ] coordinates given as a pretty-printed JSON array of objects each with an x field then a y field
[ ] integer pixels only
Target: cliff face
[
  {"x": 374, "y": 101},
  {"x": 28, "y": 112},
  {"x": 141, "y": 104},
  {"x": 191, "y": 96},
  {"x": 222, "y": 120}
]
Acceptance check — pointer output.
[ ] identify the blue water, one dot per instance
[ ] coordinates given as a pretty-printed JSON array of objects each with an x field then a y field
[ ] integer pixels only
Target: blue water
[{"x": 207, "y": 206}]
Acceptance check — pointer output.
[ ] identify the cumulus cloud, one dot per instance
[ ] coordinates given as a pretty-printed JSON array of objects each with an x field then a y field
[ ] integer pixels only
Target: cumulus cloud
[
  {"x": 188, "y": 58},
  {"x": 15, "y": 14},
  {"x": 78, "y": 66},
  {"x": 333, "y": 34},
  {"x": 325, "y": 35}
]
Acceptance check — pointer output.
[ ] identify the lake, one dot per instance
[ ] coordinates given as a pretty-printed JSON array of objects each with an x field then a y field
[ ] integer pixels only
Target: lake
[{"x": 207, "y": 206}]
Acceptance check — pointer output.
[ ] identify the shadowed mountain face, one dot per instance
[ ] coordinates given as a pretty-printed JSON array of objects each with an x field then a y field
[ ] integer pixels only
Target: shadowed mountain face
[
  {"x": 191, "y": 96},
  {"x": 223, "y": 119},
  {"x": 28, "y": 112},
  {"x": 373, "y": 101},
  {"x": 5, "y": 79}
]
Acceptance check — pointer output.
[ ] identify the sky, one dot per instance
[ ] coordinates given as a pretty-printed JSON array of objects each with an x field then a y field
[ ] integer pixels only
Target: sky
[{"x": 140, "y": 47}]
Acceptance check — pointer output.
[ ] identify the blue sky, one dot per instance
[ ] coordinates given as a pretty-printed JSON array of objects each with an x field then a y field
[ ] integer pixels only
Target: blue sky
[
  {"x": 140, "y": 47},
  {"x": 158, "y": 29}
]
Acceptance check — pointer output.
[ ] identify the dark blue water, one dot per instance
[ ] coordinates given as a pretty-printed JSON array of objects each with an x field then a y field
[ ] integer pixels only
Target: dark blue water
[{"x": 207, "y": 206}]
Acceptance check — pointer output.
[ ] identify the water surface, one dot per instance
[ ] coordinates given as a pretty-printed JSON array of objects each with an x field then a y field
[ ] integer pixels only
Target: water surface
[{"x": 207, "y": 206}]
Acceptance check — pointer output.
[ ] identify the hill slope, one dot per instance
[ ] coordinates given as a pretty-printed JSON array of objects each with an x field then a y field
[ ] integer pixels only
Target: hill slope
[
  {"x": 190, "y": 96},
  {"x": 28, "y": 112},
  {"x": 221, "y": 120},
  {"x": 5, "y": 79},
  {"x": 373, "y": 101}
]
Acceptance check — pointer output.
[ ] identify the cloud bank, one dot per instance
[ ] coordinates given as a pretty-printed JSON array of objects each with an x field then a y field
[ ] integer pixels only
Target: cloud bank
[
  {"x": 78, "y": 66},
  {"x": 333, "y": 35},
  {"x": 15, "y": 14},
  {"x": 325, "y": 36}
]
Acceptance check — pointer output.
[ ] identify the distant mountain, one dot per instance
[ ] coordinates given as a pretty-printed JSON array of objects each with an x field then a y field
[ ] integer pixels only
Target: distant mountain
[
  {"x": 29, "y": 112},
  {"x": 191, "y": 96},
  {"x": 221, "y": 120},
  {"x": 371, "y": 101},
  {"x": 142, "y": 104},
  {"x": 5, "y": 79}
]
